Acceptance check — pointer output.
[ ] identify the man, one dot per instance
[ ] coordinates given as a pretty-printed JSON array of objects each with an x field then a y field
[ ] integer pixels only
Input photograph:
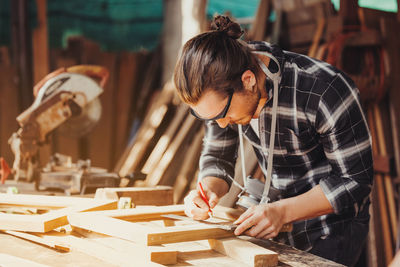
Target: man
[{"x": 322, "y": 159}]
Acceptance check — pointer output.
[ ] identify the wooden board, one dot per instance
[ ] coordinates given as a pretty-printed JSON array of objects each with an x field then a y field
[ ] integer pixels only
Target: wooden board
[
  {"x": 144, "y": 234},
  {"x": 39, "y": 240},
  {"x": 48, "y": 221},
  {"x": 246, "y": 252},
  {"x": 160, "y": 196},
  {"x": 142, "y": 213},
  {"x": 157, "y": 254},
  {"x": 48, "y": 202},
  {"x": 12, "y": 261}
]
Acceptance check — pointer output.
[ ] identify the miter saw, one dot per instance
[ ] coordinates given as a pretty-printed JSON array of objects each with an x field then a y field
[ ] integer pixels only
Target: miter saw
[{"x": 68, "y": 99}]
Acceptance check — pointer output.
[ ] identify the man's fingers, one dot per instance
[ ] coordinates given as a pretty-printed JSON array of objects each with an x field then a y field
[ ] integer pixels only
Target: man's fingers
[
  {"x": 244, "y": 226},
  {"x": 195, "y": 207},
  {"x": 213, "y": 200}
]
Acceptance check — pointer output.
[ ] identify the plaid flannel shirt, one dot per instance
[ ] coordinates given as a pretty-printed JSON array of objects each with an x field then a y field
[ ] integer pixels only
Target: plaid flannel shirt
[{"x": 322, "y": 138}]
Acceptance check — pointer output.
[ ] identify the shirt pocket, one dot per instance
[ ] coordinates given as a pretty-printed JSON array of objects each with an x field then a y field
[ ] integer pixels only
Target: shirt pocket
[{"x": 300, "y": 143}]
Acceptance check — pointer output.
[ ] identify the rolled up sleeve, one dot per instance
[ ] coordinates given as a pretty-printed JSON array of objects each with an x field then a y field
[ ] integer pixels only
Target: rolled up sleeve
[
  {"x": 219, "y": 153},
  {"x": 345, "y": 137}
]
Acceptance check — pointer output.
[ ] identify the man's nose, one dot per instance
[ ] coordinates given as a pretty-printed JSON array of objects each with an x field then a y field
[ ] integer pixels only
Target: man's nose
[{"x": 223, "y": 122}]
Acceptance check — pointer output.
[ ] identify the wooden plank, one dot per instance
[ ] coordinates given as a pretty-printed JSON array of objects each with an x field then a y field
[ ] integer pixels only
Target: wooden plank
[
  {"x": 157, "y": 254},
  {"x": 160, "y": 195},
  {"x": 384, "y": 218},
  {"x": 186, "y": 233},
  {"x": 40, "y": 43},
  {"x": 126, "y": 76},
  {"x": 386, "y": 178},
  {"x": 244, "y": 251},
  {"x": 189, "y": 168},
  {"x": 259, "y": 26},
  {"x": 132, "y": 157},
  {"x": 162, "y": 144},
  {"x": 110, "y": 226},
  {"x": 48, "y": 221},
  {"x": 48, "y": 202},
  {"x": 39, "y": 240},
  {"x": 143, "y": 234},
  {"x": 13, "y": 261},
  {"x": 154, "y": 177},
  {"x": 142, "y": 213}
]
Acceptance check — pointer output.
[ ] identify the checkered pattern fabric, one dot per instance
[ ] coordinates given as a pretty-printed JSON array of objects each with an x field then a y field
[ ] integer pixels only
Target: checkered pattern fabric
[{"x": 322, "y": 138}]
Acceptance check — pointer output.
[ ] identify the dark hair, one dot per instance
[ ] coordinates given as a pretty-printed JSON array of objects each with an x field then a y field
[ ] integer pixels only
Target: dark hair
[{"x": 215, "y": 59}]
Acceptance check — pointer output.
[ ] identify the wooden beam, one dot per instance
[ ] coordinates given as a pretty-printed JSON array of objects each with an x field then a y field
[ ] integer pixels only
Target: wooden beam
[
  {"x": 110, "y": 226},
  {"x": 244, "y": 251},
  {"x": 39, "y": 240},
  {"x": 160, "y": 195},
  {"x": 51, "y": 220},
  {"x": 13, "y": 261},
  {"x": 40, "y": 43},
  {"x": 52, "y": 202},
  {"x": 157, "y": 254},
  {"x": 142, "y": 234},
  {"x": 259, "y": 26},
  {"x": 185, "y": 233},
  {"x": 142, "y": 213},
  {"x": 162, "y": 144},
  {"x": 154, "y": 177}
]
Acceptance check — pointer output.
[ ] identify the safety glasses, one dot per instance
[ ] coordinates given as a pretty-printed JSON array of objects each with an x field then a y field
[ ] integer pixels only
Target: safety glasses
[{"x": 221, "y": 115}]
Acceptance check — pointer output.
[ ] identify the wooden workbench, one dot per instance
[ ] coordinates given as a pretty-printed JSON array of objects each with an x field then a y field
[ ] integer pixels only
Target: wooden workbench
[
  {"x": 190, "y": 254},
  {"x": 193, "y": 253}
]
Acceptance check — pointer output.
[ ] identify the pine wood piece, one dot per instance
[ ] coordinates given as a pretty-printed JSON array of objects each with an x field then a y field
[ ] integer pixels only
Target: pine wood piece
[
  {"x": 113, "y": 250},
  {"x": 143, "y": 234},
  {"x": 127, "y": 77},
  {"x": 176, "y": 234},
  {"x": 48, "y": 221},
  {"x": 259, "y": 27},
  {"x": 157, "y": 196},
  {"x": 386, "y": 178},
  {"x": 132, "y": 156},
  {"x": 387, "y": 243},
  {"x": 317, "y": 37},
  {"x": 167, "y": 138},
  {"x": 187, "y": 173},
  {"x": 142, "y": 213},
  {"x": 154, "y": 177},
  {"x": 40, "y": 43},
  {"x": 49, "y": 202},
  {"x": 13, "y": 261},
  {"x": 39, "y": 240},
  {"x": 246, "y": 252}
]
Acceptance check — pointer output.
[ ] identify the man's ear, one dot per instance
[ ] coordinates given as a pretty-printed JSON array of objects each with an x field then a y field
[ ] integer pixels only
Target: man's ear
[{"x": 249, "y": 80}]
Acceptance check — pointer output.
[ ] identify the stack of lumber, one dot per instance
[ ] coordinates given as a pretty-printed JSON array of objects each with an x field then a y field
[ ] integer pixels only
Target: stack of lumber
[{"x": 137, "y": 236}]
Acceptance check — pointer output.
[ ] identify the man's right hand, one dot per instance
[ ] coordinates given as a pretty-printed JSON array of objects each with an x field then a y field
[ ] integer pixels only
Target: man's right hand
[{"x": 214, "y": 189}]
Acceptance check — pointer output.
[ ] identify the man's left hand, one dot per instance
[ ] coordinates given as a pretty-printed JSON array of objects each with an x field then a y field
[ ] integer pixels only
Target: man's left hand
[{"x": 261, "y": 221}]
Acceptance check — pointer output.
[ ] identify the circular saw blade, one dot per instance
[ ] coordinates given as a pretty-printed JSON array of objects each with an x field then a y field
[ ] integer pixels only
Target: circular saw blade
[{"x": 82, "y": 124}]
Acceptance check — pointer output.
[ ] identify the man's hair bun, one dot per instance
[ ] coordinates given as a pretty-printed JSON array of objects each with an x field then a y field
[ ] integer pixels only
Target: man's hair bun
[{"x": 224, "y": 24}]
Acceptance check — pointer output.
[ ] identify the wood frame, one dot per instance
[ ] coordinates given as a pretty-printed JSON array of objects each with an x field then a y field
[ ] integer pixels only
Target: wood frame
[
  {"x": 53, "y": 219},
  {"x": 125, "y": 224}
]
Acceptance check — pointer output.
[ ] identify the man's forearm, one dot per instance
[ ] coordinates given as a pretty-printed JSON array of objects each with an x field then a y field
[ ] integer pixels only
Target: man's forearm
[
  {"x": 217, "y": 185},
  {"x": 305, "y": 206}
]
